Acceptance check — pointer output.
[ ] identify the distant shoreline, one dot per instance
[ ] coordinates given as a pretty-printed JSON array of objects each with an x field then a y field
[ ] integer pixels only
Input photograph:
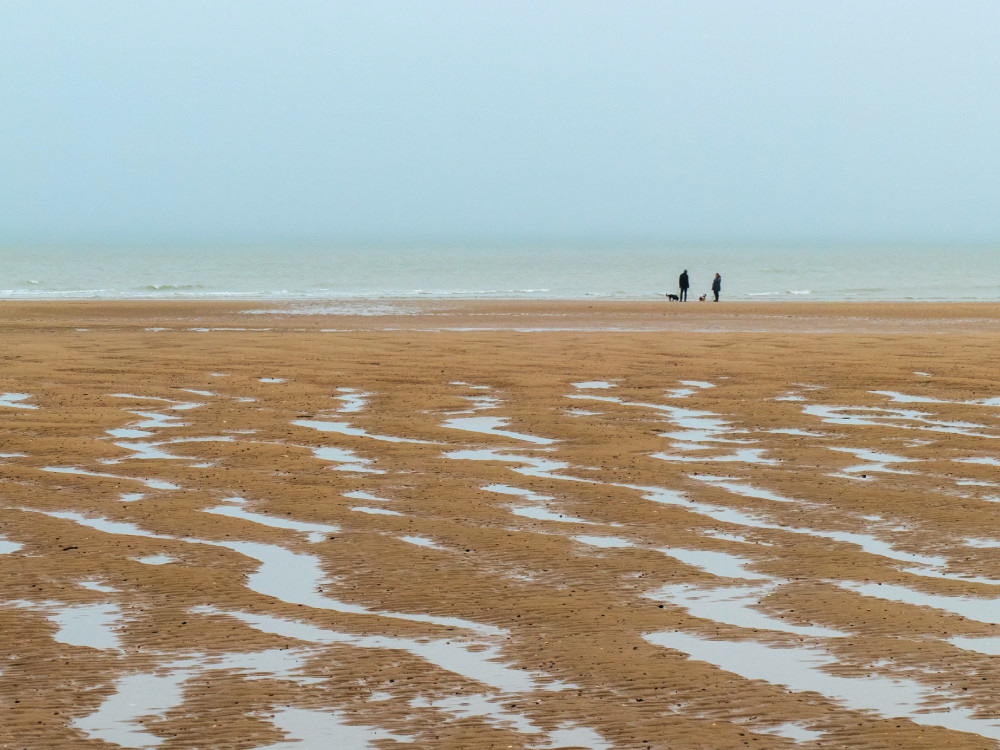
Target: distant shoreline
[{"x": 508, "y": 315}]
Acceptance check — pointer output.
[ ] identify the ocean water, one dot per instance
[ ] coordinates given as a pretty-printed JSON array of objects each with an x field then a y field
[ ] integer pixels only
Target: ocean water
[{"x": 499, "y": 272}]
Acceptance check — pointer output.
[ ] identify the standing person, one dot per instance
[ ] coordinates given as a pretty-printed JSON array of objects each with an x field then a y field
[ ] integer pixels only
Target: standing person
[
  {"x": 716, "y": 286},
  {"x": 684, "y": 284}
]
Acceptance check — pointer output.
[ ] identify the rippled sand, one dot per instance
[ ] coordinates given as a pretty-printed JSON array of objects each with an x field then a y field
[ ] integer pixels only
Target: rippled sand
[{"x": 503, "y": 524}]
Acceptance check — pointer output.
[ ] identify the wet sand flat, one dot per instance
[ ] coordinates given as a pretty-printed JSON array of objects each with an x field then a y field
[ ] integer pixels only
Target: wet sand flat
[{"x": 451, "y": 524}]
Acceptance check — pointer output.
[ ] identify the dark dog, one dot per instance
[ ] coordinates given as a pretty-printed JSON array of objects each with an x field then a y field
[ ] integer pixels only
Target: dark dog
[{"x": 673, "y": 298}]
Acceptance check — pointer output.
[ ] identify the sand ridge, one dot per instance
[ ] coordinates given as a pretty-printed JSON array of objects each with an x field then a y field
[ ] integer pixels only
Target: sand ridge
[{"x": 754, "y": 526}]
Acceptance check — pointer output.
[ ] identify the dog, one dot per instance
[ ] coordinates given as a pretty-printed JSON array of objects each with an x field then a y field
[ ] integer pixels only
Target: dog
[
  {"x": 673, "y": 298},
  {"x": 703, "y": 297}
]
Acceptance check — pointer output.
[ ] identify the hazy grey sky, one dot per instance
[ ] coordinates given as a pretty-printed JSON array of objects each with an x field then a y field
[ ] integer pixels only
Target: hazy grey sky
[{"x": 731, "y": 120}]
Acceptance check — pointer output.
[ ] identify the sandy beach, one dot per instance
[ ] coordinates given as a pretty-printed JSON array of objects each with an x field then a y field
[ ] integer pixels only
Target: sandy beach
[{"x": 493, "y": 524}]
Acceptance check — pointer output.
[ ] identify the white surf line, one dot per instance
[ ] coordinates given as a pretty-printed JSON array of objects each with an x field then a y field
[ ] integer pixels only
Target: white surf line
[
  {"x": 472, "y": 660},
  {"x": 902, "y": 419},
  {"x": 15, "y": 401},
  {"x": 344, "y": 428},
  {"x": 985, "y": 610},
  {"x": 801, "y": 669},
  {"x": 352, "y": 400},
  {"x": 492, "y": 426},
  {"x": 734, "y": 605},
  {"x": 293, "y": 578},
  {"x": 156, "y": 484}
]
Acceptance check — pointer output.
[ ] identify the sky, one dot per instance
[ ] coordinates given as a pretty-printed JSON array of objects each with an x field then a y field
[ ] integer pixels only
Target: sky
[{"x": 713, "y": 121}]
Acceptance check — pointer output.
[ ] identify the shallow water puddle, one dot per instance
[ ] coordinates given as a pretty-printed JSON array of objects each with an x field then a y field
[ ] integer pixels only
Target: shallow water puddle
[
  {"x": 866, "y": 542},
  {"x": 801, "y": 670},
  {"x": 693, "y": 386},
  {"x": 317, "y": 531},
  {"x": 352, "y": 400},
  {"x": 153, "y": 420},
  {"x": 904, "y": 419},
  {"x": 989, "y": 646},
  {"x": 539, "y": 467},
  {"x": 7, "y": 547},
  {"x": 293, "y": 578},
  {"x": 357, "y": 495},
  {"x": 879, "y": 462},
  {"x": 984, "y": 460},
  {"x": 155, "y": 559},
  {"x": 148, "y": 451},
  {"x": 344, "y": 428},
  {"x": 86, "y": 625},
  {"x": 742, "y": 456},
  {"x": 271, "y": 380},
  {"x": 156, "y": 484},
  {"x": 903, "y": 398},
  {"x": 740, "y": 488},
  {"x": 492, "y": 426},
  {"x": 128, "y": 434},
  {"x": 421, "y": 541},
  {"x": 375, "y": 511},
  {"x": 324, "y": 729},
  {"x": 142, "y": 696},
  {"x": 348, "y": 460},
  {"x": 716, "y": 563},
  {"x": 605, "y": 542},
  {"x": 15, "y": 401},
  {"x": 593, "y": 384},
  {"x": 735, "y": 605},
  {"x": 474, "y": 660},
  {"x": 979, "y": 609},
  {"x": 544, "y": 514},
  {"x": 175, "y": 405}
]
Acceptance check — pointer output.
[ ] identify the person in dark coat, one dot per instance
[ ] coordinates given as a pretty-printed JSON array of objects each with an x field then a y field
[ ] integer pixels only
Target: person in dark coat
[
  {"x": 716, "y": 286},
  {"x": 683, "y": 283}
]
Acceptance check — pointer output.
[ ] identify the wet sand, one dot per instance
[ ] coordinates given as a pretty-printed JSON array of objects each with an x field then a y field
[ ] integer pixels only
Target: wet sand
[{"x": 500, "y": 524}]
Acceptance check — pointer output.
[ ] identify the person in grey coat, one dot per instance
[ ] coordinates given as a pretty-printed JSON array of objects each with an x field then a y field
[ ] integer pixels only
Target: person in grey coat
[{"x": 716, "y": 286}]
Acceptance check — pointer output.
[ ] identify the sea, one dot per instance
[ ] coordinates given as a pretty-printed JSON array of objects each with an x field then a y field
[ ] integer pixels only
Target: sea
[{"x": 563, "y": 272}]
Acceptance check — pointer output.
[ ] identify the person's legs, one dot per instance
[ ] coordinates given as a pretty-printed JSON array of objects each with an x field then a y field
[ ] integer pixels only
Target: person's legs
[
  {"x": 684, "y": 294},
  {"x": 716, "y": 296}
]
